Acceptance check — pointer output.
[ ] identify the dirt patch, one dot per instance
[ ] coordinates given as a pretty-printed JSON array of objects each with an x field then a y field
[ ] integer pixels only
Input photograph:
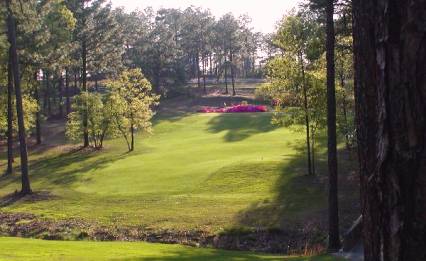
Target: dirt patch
[{"x": 272, "y": 240}]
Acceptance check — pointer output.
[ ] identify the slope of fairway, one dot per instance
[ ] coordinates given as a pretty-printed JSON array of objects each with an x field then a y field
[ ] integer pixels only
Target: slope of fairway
[
  {"x": 30, "y": 249},
  {"x": 196, "y": 171}
]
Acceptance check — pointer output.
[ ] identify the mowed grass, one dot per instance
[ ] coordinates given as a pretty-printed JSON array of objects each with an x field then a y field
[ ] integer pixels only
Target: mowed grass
[
  {"x": 196, "y": 171},
  {"x": 31, "y": 249}
]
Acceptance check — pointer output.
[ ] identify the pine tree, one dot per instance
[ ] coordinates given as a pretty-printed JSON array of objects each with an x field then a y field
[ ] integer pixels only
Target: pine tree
[
  {"x": 11, "y": 26},
  {"x": 95, "y": 36}
]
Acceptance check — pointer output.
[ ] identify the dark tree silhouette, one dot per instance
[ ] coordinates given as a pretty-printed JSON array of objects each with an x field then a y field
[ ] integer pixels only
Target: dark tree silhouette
[
  {"x": 11, "y": 28},
  {"x": 333, "y": 209},
  {"x": 390, "y": 90},
  {"x": 9, "y": 170}
]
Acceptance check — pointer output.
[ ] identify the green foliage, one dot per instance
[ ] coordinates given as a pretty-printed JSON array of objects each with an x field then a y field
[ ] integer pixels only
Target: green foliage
[
  {"x": 301, "y": 35},
  {"x": 30, "y": 108},
  {"x": 131, "y": 102},
  {"x": 297, "y": 77},
  {"x": 125, "y": 109},
  {"x": 88, "y": 105}
]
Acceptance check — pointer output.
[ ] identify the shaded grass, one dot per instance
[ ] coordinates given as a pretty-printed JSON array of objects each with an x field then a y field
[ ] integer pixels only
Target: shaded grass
[{"x": 30, "y": 249}]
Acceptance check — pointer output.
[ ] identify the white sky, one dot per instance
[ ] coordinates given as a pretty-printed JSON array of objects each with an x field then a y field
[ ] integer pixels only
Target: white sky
[{"x": 264, "y": 13}]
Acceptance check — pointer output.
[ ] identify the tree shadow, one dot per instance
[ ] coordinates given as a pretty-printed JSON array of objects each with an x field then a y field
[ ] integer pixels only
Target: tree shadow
[
  {"x": 240, "y": 126},
  {"x": 212, "y": 255},
  {"x": 64, "y": 169},
  {"x": 15, "y": 197},
  {"x": 170, "y": 117},
  {"x": 85, "y": 160},
  {"x": 301, "y": 199},
  {"x": 221, "y": 255}
]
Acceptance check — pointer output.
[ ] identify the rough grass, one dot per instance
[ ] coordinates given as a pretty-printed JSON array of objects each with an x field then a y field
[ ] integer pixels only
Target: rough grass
[
  {"x": 30, "y": 249},
  {"x": 197, "y": 171}
]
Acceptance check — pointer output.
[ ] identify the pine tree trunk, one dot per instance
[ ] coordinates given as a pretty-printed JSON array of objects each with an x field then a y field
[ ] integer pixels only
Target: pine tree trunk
[
  {"x": 314, "y": 171},
  {"x": 37, "y": 115},
  {"x": 197, "y": 60},
  {"x": 76, "y": 81},
  {"x": 231, "y": 56},
  {"x": 132, "y": 132},
  {"x": 344, "y": 108},
  {"x": 26, "y": 188},
  {"x": 226, "y": 75},
  {"x": 204, "y": 74},
  {"x": 67, "y": 92},
  {"x": 390, "y": 92},
  {"x": 211, "y": 64},
  {"x": 96, "y": 84},
  {"x": 48, "y": 98},
  {"x": 45, "y": 96},
  {"x": 10, "y": 159},
  {"x": 305, "y": 107},
  {"x": 84, "y": 83},
  {"x": 333, "y": 209},
  {"x": 60, "y": 94}
]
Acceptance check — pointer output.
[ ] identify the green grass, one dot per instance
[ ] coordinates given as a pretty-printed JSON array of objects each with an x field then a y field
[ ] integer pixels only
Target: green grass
[
  {"x": 198, "y": 171},
  {"x": 31, "y": 249}
]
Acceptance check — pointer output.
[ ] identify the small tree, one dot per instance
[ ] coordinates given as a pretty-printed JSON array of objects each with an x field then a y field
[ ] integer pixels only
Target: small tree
[
  {"x": 298, "y": 37},
  {"x": 133, "y": 97},
  {"x": 289, "y": 100},
  {"x": 345, "y": 90},
  {"x": 98, "y": 119}
]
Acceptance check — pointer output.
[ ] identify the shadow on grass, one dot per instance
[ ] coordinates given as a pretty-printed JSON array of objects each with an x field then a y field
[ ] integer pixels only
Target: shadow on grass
[
  {"x": 216, "y": 255},
  {"x": 170, "y": 117},
  {"x": 64, "y": 169},
  {"x": 297, "y": 197},
  {"x": 300, "y": 198},
  {"x": 240, "y": 126},
  {"x": 13, "y": 198},
  {"x": 213, "y": 255}
]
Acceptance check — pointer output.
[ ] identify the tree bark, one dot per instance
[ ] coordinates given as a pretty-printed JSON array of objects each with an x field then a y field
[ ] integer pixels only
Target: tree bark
[
  {"x": 211, "y": 64},
  {"x": 226, "y": 75},
  {"x": 61, "y": 95},
  {"x": 48, "y": 98},
  {"x": 37, "y": 115},
  {"x": 96, "y": 83},
  {"x": 390, "y": 93},
  {"x": 76, "y": 81},
  {"x": 305, "y": 107},
  {"x": 231, "y": 56},
  {"x": 344, "y": 107},
  {"x": 333, "y": 209},
  {"x": 132, "y": 132},
  {"x": 314, "y": 171},
  {"x": 67, "y": 92},
  {"x": 204, "y": 74},
  {"x": 84, "y": 83},
  {"x": 197, "y": 60},
  {"x": 10, "y": 159},
  {"x": 26, "y": 188}
]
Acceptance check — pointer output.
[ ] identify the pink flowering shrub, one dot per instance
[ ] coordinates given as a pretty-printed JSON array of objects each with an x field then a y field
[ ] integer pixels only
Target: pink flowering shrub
[{"x": 235, "y": 109}]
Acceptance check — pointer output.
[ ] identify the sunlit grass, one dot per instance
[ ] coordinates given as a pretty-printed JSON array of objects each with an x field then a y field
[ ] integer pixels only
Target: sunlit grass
[
  {"x": 30, "y": 249},
  {"x": 199, "y": 171}
]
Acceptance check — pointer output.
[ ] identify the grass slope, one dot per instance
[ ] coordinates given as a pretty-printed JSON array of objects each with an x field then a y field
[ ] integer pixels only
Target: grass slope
[
  {"x": 31, "y": 249},
  {"x": 197, "y": 171}
]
